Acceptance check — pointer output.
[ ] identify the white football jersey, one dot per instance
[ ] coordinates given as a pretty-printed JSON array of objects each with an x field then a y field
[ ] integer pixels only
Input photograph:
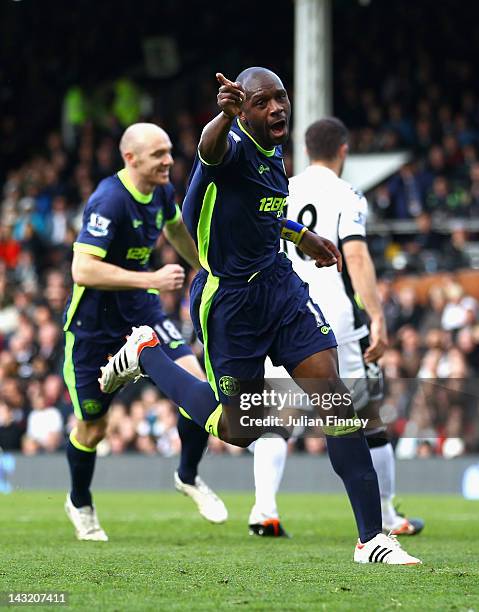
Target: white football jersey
[{"x": 328, "y": 205}]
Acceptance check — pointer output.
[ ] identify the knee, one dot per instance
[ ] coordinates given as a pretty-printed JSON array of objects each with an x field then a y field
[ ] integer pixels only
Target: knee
[
  {"x": 241, "y": 442},
  {"x": 91, "y": 433},
  {"x": 225, "y": 435}
]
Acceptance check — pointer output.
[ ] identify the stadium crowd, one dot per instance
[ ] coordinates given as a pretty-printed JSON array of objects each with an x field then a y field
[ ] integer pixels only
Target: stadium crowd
[
  {"x": 42, "y": 198},
  {"x": 41, "y": 208}
]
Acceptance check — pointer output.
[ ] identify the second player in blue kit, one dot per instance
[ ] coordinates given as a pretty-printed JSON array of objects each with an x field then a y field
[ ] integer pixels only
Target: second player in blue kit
[{"x": 115, "y": 289}]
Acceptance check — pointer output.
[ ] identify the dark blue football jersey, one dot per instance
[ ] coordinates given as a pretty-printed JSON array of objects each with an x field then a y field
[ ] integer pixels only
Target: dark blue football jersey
[
  {"x": 120, "y": 225},
  {"x": 233, "y": 209}
]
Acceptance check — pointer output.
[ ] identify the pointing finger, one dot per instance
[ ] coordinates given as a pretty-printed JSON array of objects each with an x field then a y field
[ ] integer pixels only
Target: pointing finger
[{"x": 223, "y": 80}]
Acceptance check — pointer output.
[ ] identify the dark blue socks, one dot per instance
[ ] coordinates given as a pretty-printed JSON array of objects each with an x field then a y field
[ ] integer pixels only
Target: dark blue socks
[
  {"x": 351, "y": 460},
  {"x": 82, "y": 465},
  {"x": 194, "y": 396},
  {"x": 193, "y": 443}
]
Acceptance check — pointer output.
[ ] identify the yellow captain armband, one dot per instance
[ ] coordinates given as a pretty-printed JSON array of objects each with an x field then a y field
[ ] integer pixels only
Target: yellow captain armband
[{"x": 293, "y": 231}]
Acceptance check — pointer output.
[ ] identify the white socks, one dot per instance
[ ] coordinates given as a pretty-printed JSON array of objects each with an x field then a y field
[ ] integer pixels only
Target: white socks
[
  {"x": 269, "y": 460},
  {"x": 383, "y": 461}
]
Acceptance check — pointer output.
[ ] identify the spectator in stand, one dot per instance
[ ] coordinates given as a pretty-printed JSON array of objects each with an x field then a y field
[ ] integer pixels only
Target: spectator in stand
[
  {"x": 120, "y": 433},
  {"x": 22, "y": 346},
  {"x": 429, "y": 364},
  {"x": 11, "y": 430},
  {"x": 50, "y": 346},
  {"x": 143, "y": 422},
  {"x": 10, "y": 248},
  {"x": 418, "y": 430},
  {"x": 410, "y": 311},
  {"x": 427, "y": 239},
  {"x": 390, "y": 305},
  {"x": 168, "y": 441},
  {"x": 405, "y": 194},
  {"x": 56, "y": 294},
  {"x": 434, "y": 167},
  {"x": 44, "y": 427},
  {"x": 460, "y": 309},
  {"x": 452, "y": 443},
  {"x": 455, "y": 255},
  {"x": 410, "y": 350},
  {"x": 433, "y": 312},
  {"x": 54, "y": 393},
  {"x": 444, "y": 200},
  {"x": 468, "y": 344}
]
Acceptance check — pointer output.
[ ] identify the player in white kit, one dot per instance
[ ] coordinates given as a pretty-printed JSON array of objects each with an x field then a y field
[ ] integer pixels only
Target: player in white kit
[{"x": 322, "y": 201}]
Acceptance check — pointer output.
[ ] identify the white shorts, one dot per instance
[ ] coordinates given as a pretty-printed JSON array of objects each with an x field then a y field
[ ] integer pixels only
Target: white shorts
[{"x": 364, "y": 380}]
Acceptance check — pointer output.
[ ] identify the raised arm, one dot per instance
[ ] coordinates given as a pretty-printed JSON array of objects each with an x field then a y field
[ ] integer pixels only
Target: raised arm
[{"x": 214, "y": 139}]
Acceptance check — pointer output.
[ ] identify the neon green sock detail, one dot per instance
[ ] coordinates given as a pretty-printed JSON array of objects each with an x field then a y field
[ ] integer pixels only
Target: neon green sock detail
[
  {"x": 341, "y": 430},
  {"x": 212, "y": 423},
  {"x": 80, "y": 446}
]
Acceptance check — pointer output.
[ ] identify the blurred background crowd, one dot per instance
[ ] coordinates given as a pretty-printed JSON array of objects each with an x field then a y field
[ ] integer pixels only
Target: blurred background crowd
[{"x": 424, "y": 219}]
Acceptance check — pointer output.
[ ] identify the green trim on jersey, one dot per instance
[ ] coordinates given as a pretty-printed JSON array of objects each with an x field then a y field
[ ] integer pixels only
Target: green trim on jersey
[
  {"x": 204, "y": 225},
  {"x": 203, "y": 161},
  {"x": 209, "y": 290},
  {"x": 176, "y": 218},
  {"x": 76, "y": 297},
  {"x": 142, "y": 198},
  {"x": 211, "y": 424},
  {"x": 267, "y": 152},
  {"x": 184, "y": 413},
  {"x": 153, "y": 291},
  {"x": 90, "y": 249},
  {"x": 69, "y": 374}
]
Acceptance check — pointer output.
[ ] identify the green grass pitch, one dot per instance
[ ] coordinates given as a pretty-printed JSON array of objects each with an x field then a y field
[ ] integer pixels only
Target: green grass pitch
[{"x": 163, "y": 556}]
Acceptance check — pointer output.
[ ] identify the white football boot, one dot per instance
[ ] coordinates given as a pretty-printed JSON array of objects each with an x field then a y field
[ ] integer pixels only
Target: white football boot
[
  {"x": 383, "y": 549},
  {"x": 85, "y": 521},
  {"x": 124, "y": 366},
  {"x": 404, "y": 526},
  {"x": 209, "y": 504}
]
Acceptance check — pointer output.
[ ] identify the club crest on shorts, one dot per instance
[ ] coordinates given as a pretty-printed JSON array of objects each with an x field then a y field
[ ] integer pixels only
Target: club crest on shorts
[
  {"x": 91, "y": 406},
  {"x": 229, "y": 386}
]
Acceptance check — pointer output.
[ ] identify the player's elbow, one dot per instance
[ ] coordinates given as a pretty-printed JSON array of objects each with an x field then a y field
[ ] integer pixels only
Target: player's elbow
[
  {"x": 211, "y": 151},
  {"x": 80, "y": 272}
]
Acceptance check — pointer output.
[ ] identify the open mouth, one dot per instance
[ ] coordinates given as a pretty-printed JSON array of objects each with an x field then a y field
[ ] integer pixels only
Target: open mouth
[{"x": 278, "y": 128}]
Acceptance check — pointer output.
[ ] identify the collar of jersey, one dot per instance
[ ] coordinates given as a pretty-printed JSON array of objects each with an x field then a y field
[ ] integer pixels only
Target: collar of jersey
[
  {"x": 142, "y": 198},
  {"x": 267, "y": 152},
  {"x": 321, "y": 168}
]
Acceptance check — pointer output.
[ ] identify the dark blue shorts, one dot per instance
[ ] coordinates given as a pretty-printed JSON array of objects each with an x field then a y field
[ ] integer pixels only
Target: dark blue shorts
[
  {"x": 241, "y": 322},
  {"x": 83, "y": 359}
]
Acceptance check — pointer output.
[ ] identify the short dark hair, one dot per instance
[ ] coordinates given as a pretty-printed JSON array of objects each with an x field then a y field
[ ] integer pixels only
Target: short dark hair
[{"x": 324, "y": 137}]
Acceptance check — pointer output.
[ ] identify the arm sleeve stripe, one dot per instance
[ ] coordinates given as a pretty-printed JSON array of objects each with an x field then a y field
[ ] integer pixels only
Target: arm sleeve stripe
[
  {"x": 353, "y": 237},
  {"x": 83, "y": 247},
  {"x": 207, "y": 163},
  {"x": 176, "y": 218}
]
